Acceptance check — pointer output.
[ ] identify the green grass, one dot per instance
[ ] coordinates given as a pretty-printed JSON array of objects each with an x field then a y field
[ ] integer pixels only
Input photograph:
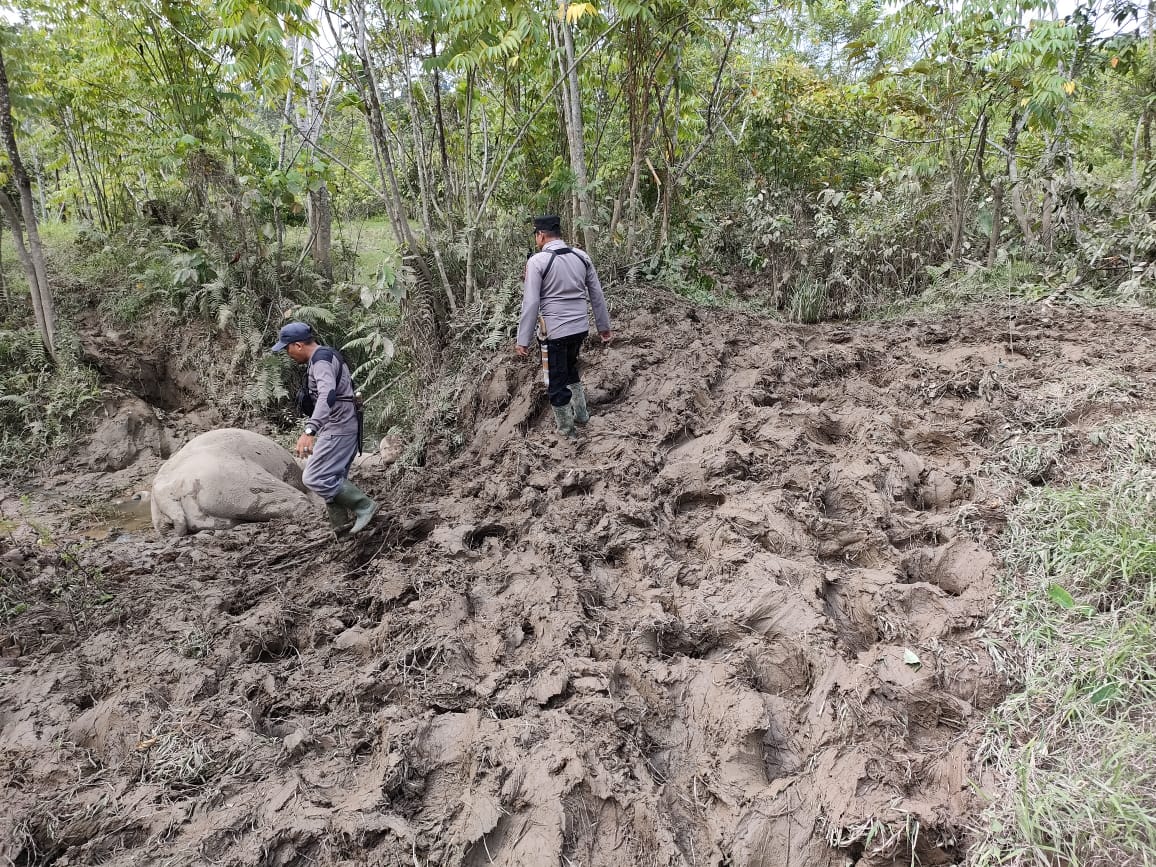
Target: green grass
[
  {"x": 1077, "y": 746},
  {"x": 807, "y": 302},
  {"x": 372, "y": 242}
]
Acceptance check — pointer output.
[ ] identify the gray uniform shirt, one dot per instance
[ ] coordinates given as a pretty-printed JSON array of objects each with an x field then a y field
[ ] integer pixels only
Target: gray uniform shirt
[
  {"x": 561, "y": 298},
  {"x": 334, "y": 414}
]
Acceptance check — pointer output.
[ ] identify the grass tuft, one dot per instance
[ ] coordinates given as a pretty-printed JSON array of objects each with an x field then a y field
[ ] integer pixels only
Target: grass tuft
[
  {"x": 807, "y": 302},
  {"x": 1077, "y": 746}
]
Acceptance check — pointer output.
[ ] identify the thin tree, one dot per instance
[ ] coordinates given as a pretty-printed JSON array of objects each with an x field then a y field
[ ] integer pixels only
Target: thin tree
[
  {"x": 32, "y": 255},
  {"x": 319, "y": 203},
  {"x": 575, "y": 131}
]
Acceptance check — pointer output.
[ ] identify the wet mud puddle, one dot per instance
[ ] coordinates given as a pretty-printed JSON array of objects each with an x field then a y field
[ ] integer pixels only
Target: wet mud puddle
[{"x": 120, "y": 517}]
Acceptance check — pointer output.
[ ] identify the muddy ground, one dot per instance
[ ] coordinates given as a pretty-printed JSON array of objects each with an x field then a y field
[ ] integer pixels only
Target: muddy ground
[{"x": 741, "y": 623}]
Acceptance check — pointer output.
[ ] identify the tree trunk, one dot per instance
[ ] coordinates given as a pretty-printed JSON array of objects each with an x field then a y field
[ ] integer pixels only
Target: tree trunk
[
  {"x": 439, "y": 117},
  {"x": 5, "y": 298},
  {"x": 996, "y": 221},
  {"x": 1146, "y": 116},
  {"x": 959, "y": 185},
  {"x": 641, "y": 133},
  {"x": 321, "y": 228},
  {"x": 26, "y": 262},
  {"x": 282, "y": 147},
  {"x": 320, "y": 206},
  {"x": 630, "y": 90},
  {"x": 468, "y": 188},
  {"x": 38, "y": 168},
  {"x": 1146, "y": 135},
  {"x": 1136, "y": 140},
  {"x": 391, "y": 191},
  {"x": 634, "y": 197},
  {"x": 83, "y": 204},
  {"x": 429, "y": 205},
  {"x": 1018, "y": 121},
  {"x": 576, "y": 133},
  {"x": 33, "y": 262}
]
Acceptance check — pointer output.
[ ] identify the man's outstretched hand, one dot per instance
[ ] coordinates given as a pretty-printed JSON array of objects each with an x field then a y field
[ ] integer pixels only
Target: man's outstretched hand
[
  {"x": 520, "y": 351},
  {"x": 605, "y": 335}
]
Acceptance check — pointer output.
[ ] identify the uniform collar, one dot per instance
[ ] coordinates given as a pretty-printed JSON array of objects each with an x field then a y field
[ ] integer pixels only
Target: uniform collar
[{"x": 553, "y": 245}]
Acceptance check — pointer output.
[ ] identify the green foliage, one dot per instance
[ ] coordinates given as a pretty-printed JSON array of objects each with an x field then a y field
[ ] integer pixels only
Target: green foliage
[
  {"x": 807, "y": 301},
  {"x": 266, "y": 385},
  {"x": 370, "y": 343},
  {"x": 1096, "y": 539},
  {"x": 255, "y": 34},
  {"x": 874, "y": 136},
  {"x": 808, "y": 132},
  {"x": 42, "y": 407},
  {"x": 504, "y": 310},
  {"x": 1078, "y": 744}
]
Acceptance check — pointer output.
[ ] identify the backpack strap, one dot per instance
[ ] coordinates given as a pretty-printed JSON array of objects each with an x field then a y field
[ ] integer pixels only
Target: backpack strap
[
  {"x": 554, "y": 254},
  {"x": 326, "y": 353}
]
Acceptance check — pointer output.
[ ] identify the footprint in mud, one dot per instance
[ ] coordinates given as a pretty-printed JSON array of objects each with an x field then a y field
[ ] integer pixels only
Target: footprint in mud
[
  {"x": 829, "y": 430},
  {"x": 940, "y": 491},
  {"x": 849, "y": 610},
  {"x": 926, "y": 488},
  {"x": 474, "y": 538},
  {"x": 954, "y": 568},
  {"x": 689, "y": 501}
]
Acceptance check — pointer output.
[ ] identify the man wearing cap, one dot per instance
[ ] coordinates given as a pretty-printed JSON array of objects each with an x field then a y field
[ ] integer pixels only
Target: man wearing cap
[
  {"x": 332, "y": 435},
  {"x": 560, "y": 280}
]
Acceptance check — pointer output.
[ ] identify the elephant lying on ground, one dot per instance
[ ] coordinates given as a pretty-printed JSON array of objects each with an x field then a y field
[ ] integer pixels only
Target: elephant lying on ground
[{"x": 223, "y": 478}]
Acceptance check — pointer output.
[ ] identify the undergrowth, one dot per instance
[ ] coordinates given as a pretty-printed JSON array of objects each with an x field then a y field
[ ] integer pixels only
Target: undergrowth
[
  {"x": 42, "y": 407},
  {"x": 1077, "y": 746},
  {"x": 1018, "y": 280}
]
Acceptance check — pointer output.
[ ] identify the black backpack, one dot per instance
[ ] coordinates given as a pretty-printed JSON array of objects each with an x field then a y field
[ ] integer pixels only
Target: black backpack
[{"x": 306, "y": 402}]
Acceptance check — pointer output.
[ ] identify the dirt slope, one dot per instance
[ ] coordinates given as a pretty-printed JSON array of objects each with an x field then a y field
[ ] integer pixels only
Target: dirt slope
[{"x": 739, "y": 624}]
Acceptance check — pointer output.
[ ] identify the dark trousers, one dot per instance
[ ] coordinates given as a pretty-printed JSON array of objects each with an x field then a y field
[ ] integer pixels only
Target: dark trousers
[{"x": 562, "y": 365}]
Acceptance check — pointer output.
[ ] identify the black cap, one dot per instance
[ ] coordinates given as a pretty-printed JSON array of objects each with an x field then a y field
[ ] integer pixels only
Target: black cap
[{"x": 548, "y": 223}]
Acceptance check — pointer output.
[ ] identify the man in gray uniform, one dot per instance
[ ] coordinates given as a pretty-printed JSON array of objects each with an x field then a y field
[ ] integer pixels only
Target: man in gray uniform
[
  {"x": 559, "y": 282},
  {"x": 332, "y": 431}
]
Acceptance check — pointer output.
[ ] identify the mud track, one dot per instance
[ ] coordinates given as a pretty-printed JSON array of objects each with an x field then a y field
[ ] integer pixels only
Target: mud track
[{"x": 739, "y": 624}]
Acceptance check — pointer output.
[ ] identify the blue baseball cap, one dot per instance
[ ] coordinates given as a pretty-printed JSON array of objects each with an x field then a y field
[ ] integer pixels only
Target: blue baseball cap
[{"x": 293, "y": 332}]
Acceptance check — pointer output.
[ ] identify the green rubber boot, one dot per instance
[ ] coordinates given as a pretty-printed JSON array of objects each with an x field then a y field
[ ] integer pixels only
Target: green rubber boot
[
  {"x": 360, "y": 506},
  {"x": 564, "y": 416},
  {"x": 578, "y": 401},
  {"x": 338, "y": 518}
]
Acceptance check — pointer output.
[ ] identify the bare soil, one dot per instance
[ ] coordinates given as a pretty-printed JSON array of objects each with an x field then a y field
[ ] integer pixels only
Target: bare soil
[{"x": 740, "y": 623}]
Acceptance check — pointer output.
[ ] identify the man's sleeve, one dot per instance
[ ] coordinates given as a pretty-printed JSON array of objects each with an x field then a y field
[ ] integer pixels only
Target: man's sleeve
[
  {"x": 531, "y": 297},
  {"x": 597, "y": 299},
  {"x": 326, "y": 379}
]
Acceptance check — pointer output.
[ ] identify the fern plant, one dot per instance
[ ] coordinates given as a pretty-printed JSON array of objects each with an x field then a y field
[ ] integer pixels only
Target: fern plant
[
  {"x": 314, "y": 315},
  {"x": 266, "y": 386},
  {"x": 41, "y": 405},
  {"x": 501, "y": 315},
  {"x": 378, "y": 350}
]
